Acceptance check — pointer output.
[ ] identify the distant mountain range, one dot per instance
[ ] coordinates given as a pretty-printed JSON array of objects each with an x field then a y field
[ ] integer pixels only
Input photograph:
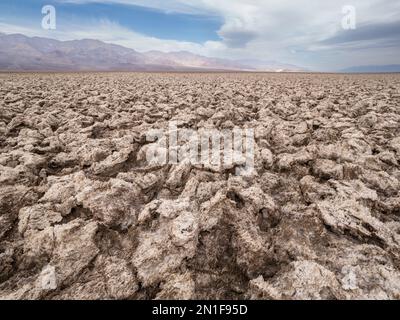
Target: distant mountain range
[
  {"x": 22, "y": 53},
  {"x": 373, "y": 69}
]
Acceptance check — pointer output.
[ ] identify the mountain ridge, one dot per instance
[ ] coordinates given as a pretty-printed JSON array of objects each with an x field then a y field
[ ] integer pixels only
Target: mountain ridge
[
  {"x": 22, "y": 53},
  {"x": 373, "y": 69}
]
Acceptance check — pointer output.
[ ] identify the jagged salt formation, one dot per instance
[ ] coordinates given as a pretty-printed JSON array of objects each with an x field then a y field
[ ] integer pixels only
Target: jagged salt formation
[{"x": 83, "y": 216}]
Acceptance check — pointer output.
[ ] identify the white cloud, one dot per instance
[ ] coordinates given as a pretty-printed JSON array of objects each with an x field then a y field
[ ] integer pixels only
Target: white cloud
[
  {"x": 112, "y": 32},
  {"x": 179, "y": 6},
  {"x": 275, "y": 19},
  {"x": 9, "y": 28}
]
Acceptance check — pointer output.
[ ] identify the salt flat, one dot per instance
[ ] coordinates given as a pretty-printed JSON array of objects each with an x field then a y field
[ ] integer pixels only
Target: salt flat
[{"x": 85, "y": 215}]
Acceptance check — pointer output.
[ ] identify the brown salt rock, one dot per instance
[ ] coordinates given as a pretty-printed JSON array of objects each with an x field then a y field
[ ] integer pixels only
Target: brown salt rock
[
  {"x": 328, "y": 169},
  {"x": 304, "y": 280}
]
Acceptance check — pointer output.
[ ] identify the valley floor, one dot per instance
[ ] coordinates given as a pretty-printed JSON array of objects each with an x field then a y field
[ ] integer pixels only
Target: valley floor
[{"x": 83, "y": 215}]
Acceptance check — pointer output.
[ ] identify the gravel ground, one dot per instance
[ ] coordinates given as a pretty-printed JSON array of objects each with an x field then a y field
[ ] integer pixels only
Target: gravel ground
[{"x": 83, "y": 215}]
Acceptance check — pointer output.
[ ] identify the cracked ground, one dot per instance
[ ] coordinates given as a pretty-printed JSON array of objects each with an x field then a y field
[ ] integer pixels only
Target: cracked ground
[{"x": 83, "y": 216}]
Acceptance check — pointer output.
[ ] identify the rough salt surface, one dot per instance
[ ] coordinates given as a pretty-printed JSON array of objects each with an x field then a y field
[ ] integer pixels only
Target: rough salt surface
[{"x": 83, "y": 216}]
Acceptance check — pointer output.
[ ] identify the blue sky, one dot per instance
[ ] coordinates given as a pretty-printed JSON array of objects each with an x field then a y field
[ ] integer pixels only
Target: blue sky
[
  {"x": 147, "y": 21},
  {"x": 303, "y": 32}
]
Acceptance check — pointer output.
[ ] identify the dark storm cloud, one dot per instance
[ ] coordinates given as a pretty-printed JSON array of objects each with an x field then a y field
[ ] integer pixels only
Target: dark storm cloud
[
  {"x": 378, "y": 32},
  {"x": 236, "y": 38}
]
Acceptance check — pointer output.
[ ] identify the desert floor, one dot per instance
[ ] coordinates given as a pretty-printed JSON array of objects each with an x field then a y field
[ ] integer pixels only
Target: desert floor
[{"x": 83, "y": 215}]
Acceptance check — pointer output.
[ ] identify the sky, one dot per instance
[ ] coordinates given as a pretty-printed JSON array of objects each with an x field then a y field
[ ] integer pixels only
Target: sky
[{"x": 307, "y": 33}]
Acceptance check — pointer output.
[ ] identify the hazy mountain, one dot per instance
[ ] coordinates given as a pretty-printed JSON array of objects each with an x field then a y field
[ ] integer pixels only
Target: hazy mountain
[
  {"x": 188, "y": 59},
  {"x": 373, "y": 69},
  {"x": 22, "y": 53},
  {"x": 266, "y": 65},
  {"x": 18, "y": 52}
]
